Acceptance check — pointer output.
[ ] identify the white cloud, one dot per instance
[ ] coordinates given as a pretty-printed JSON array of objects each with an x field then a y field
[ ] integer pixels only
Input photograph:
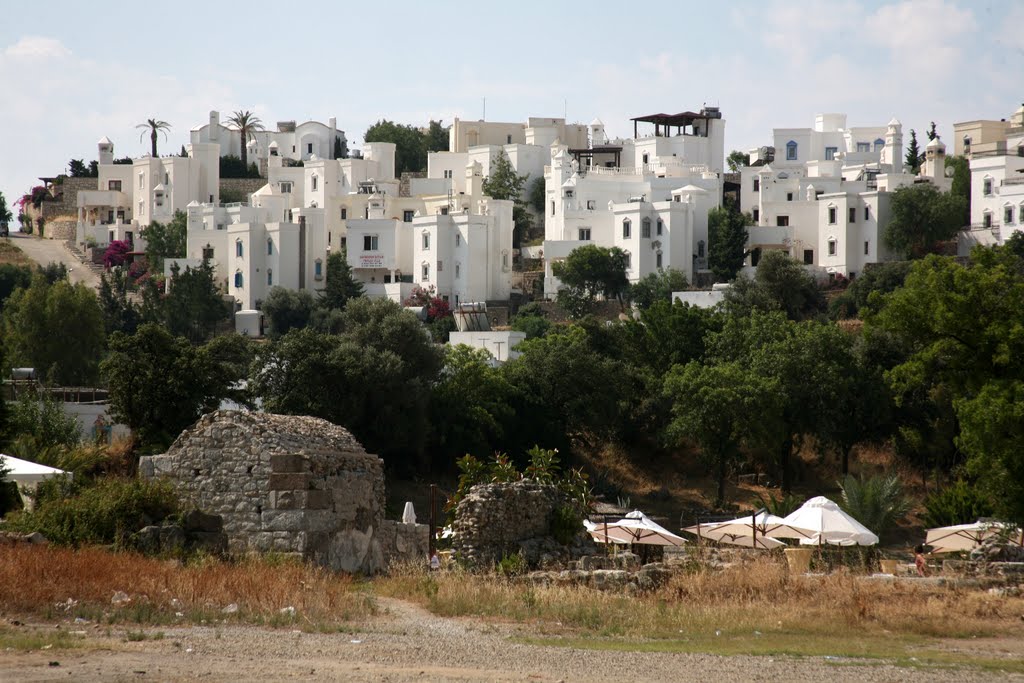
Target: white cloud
[{"x": 36, "y": 47}]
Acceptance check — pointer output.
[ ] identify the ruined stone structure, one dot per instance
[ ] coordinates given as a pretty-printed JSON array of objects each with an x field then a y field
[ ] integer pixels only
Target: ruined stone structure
[
  {"x": 289, "y": 484},
  {"x": 494, "y": 521}
]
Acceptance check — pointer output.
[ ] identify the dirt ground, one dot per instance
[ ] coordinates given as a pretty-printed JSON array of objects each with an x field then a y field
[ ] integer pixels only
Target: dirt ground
[{"x": 410, "y": 644}]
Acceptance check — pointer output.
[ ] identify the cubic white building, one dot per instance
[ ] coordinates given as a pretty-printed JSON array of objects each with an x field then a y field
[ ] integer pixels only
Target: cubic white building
[
  {"x": 822, "y": 194},
  {"x": 649, "y": 195},
  {"x": 289, "y": 141},
  {"x": 997, "y": 185}
]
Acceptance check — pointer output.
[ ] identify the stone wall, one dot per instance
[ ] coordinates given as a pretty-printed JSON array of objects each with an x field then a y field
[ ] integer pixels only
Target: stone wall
[
  {"x": 494, "y": 521},
  {"x": 61, "y": 229},
  {"x": 288, "y": 484},
  {"x": 243, "y": 186}
]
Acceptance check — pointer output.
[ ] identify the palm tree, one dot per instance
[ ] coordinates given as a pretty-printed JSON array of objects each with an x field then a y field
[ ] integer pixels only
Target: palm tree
[
  {"x": 247, "y": 123},
  {"x": 153, "y": 126}
]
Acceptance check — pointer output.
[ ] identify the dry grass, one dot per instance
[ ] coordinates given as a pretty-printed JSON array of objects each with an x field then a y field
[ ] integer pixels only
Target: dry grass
[
  {"x": 54, "y": 582},
  {"x": 760, "y": 597},
  {"x": 10, "y": 253}
]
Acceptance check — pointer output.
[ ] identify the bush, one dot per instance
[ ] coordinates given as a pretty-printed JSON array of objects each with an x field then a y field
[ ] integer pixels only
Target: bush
[
  {"x": 512, "y": 565},
  {"x": 959, "y": 503},
  {"x": 876, "y": 502},
  {"x": 44, "y": 420},
  {"x": 566, "y": 524},
  {"x": 109, "y": 512},
  {"x": 781, "y": 506}
]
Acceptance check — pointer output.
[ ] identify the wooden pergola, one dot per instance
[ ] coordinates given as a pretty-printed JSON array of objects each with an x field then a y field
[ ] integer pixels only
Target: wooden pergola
[{"x": 663, "y": 123}]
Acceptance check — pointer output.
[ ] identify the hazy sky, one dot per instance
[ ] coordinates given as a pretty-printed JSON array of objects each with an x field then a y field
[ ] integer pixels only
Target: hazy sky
[{"x": 72, "y": 72}]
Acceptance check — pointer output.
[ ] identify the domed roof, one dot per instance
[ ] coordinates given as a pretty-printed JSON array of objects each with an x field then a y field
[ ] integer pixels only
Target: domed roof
[{"x": 596, "y": 122}]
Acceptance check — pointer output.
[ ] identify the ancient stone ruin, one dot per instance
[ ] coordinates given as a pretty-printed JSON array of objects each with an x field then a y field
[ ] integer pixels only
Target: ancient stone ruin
[
  {"x": 289, "y": 484},
  {"x": 494, "y": 521}
]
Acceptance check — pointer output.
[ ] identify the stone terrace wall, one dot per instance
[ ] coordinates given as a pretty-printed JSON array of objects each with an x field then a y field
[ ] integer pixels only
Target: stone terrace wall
[
  {"x": 497, "y": 520},
  {"x": 245, "y": 186},
  {"x": 281, "y": 483}
]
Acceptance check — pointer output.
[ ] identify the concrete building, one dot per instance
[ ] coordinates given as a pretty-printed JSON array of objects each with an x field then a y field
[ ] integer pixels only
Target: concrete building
[
  {"x": 822, "y": 194},
  {"x": 997, "y": 184},
  {"x": 297, "y": 142},
  {"x": 648, "y": 195}
]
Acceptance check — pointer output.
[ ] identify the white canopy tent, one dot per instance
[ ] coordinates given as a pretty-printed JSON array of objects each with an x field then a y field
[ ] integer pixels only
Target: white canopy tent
[
  {"x": 759, "y": 530},
  {"x": 635, "y": 527},
  {"x": 828, "y": 524},
  {"x": 27, "y": 475},
  {"x": 967, "y": 537}
]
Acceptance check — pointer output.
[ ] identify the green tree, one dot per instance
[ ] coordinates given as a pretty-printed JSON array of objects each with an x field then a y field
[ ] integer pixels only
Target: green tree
[
  {"x": 437, "y": 137},
  {"x": 780, "y": 284},
  {"x": 383, "y": 324},
  {"x": 727, "y": 237},
  {"x": 153, "y": 127},
  {"x": 912, "y": 160},
  {"x": 5, "y": 211},
  {"x": 737, "y": 160},
  {"x": 42, "y": 418},
  {"x": 591, "y": 271},
  {"x": 77, "y": 168},
  {"x": 410, "y": 144},
  {"x": 531, "y": 319},
  {"x": 932, "y": 134},
  {"x": 669, "y": 334},
  {"x": 920, "y": 217},
  {"x": 874, "y": 281},
  {"x": 165, "y": 240},
  {"x": 713, "y": 406},
  {"x": 120, "y": 313},
  {"x": 876, "y": 502},
  {"x": 287, "y": 309},
  {"x": 961, "y": 186},
  {"x": 505, "y": 183},
  {"x": 340, "y": 148},
  {"x": 193, "y": 305},
  {"x": 55, "y": 328},
  {"x": 247, "y": 124},
  {"x": 537, "y": 195},
  {"x": 341, "y": 285},
  {"x": 13, "y": 277},
  {"x": 159, "y": 384},
  {"x": 657, "y": 287}
]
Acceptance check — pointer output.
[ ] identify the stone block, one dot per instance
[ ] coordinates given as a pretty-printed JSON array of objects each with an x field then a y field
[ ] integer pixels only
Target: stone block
[
  {"x": 288, "y": 463},
  {"x": 292, "y": 481},
  {"x": 197, "y": 520},
  {"x": 319, "y": 500},
  {"x": 283, "y": 520}
]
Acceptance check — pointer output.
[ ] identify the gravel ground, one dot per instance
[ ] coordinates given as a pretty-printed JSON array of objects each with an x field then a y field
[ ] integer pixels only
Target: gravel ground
[{"x": 410, "y": 644}]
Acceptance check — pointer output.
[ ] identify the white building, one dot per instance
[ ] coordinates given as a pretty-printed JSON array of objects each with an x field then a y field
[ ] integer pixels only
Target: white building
[
  {"x": 997, "y": 185},
  {"x": 131, "y": 196},
  {"x": 289, "y": 141},
  {"x": 822, "y": 194},
  {"x": 649, "y": 195}
]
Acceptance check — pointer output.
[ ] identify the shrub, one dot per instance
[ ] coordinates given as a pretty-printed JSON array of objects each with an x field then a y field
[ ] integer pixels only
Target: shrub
[
  {"x": 109, "y": 512},
  {"x": 781, "y": 506},
  {"x": 512, "y": 565},
  {"x": 44, "y": 420},
  {"x": 566, "y": 524},
  {"x": 534, "y": 325},
  {"x": 876, "y": 502},
  {"x": 959, "y": 503}
]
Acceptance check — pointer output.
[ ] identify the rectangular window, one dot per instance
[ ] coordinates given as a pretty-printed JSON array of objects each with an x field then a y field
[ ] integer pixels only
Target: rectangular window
[
  {"x": 328, "y": 238},
  {"x": 110, "y": 216},
  {"x": 986, "y": 220},
  {"x": 344, "y": 213},
  {"x": 831, "y": 247},
  {"x": 568, "y": 193},
  {"x": 782, "y": 221},
  {"x": 789, "y": 196},
  {"x": 142, "y": 181},
  {"x": 867, "y": 247},
  {"x": 309, "y": 148},
  {"x": 458, "y": 239},
  {"x": 458, "y": 271},
  {"x": 426, "y": 240},
  {"x": 425, "y": 273},
  {"x": 626, "y": 230},
  {"x": 757, "y": 184},
  {"x": 448, "y": 173},
  {"x": 369, "y": 242},
  {"x": 657, "y": 260},
  {"x": 584, "y": 234},
  {"x": 660, "y": 226},
  {"x": 830, "y": 153},
  {"x": 509, "y": 139},
  {"x": 1008, "y": 215},
  {"x": 756, "y": 215},
  {"x": 809, "y": 257},
  {"x": 867, "y": 213},
  {"x": 863, "y": 146},
  {"x": 318, "y": 269},
  {"x": 440, "y": 266},
  {"x": 407, "y": 216},
  {"x": 831, "y": 215},
  {"x": 207, "y": 253},
  {"x": 853, "y": 214},
  {"x": 142, "y": 208},
  {"x": 591, "y": 205},
  {"x": 552, "y": 207},
  {"x": 114, "y": 185},
  {"x": 314, "y": 183},
  {"x": 167, "y": 178},
  {"x": 286, "y": 188},
  {"x": 645, "y": 229}
]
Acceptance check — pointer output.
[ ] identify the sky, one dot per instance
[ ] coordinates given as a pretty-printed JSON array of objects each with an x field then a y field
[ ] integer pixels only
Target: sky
[{"x": 73, "y": 72}]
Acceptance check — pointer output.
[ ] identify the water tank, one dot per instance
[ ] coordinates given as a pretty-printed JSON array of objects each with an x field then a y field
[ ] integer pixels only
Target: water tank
[{"x": 247, "y": 323}]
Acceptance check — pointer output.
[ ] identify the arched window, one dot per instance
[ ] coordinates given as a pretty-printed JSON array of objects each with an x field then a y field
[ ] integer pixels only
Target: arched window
[
  {"x": 426, "y": 240},
  {"x": 986, "y": 185},
  {"x": 239, "y": 249},
  {"x": 270, "y": 247},
  {"x": 626, "y": 228},
  {"x": 986, "y": 219},
  {"x": 1007, "y": 214},
  {"x": 645, "y": 228},
  {"x": 318, "y": 269},
  {"x": 833, "y": 246},
  {"x": 270, "y": 277},
  {"x": 645, "y": 157},
  {"x": 791, "y": 151},
  {"x": 239, "y": 280}
]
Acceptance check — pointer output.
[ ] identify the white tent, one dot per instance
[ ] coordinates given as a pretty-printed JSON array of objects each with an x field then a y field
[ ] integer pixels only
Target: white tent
[
  {"x": 966, "y": 537},
  {"x": 759, "y": 530},
  {"x": 635, "y": 527},
  {"x": 828, "y": 523},
  {"x": 25, "y": 472}
]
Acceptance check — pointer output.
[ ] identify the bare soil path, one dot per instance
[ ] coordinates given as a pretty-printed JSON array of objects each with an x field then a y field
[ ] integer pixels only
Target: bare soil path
[
  {"x": 409, "y": 644},
  {"x": 44, "y": 251}
]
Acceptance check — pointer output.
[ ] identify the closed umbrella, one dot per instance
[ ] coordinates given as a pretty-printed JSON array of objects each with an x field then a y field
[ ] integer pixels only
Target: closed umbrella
[
  {"x": 828, "y": 524},
  {"x": 966, "y": 537}
]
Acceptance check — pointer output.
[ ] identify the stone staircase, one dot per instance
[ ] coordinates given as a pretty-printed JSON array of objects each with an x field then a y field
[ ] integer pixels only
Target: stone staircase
[{"x": 84, "y": 258}]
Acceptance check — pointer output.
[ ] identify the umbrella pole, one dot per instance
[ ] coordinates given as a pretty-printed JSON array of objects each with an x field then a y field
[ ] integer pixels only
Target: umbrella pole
[{"x": 753, "y": 526}]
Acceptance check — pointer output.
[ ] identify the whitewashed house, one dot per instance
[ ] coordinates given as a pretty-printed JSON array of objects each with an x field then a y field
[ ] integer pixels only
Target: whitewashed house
[
  {"x": 648, "y": 195},
  {"x": 997, "y": 185},
  {"x": 289, "y": 140},
  {"x": 822, "y": 194}
]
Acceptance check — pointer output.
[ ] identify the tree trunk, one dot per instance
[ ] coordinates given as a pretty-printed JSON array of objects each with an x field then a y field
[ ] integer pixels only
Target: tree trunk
[
  {"x": 244, "y": 152},
  {"x": 846, "y": 459},
  {"x": 152, "y": 142},
  {"x": 784, "y": 456},
  {"x": 721, "y": 481}
]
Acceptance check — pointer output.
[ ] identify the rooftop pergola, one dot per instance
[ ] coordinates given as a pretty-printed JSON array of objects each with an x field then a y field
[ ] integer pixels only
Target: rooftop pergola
[
  {"x": 589, "y": 152},
  {"x": 663, "y": 123}
]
